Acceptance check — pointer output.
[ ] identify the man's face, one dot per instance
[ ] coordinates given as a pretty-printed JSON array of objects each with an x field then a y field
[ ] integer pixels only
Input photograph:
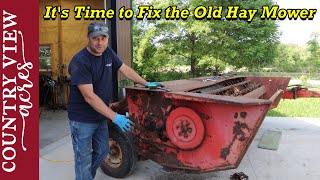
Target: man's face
[{"x": 97, "y": 44}]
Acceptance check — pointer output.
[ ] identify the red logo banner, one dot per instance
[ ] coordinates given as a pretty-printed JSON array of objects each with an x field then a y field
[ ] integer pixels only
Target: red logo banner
[{"x": 19, "y": 90}]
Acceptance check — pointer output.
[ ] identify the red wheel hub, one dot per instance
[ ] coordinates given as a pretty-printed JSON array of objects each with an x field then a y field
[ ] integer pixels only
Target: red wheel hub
[{"x": 185, "y": 128}]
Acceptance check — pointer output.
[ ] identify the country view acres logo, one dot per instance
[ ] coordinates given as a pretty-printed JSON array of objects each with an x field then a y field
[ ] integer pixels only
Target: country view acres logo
[{"x": 16, "y": 87}]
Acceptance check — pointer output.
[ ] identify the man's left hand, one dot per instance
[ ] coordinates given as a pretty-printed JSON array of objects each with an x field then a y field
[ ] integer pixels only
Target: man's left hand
[{"x": 152, "y": 85}]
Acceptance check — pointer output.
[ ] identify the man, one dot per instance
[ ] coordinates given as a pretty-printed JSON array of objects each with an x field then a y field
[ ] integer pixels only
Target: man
[{"x": 91, "y": 91}]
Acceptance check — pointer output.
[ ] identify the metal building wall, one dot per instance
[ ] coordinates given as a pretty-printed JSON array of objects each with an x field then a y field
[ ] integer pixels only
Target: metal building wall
[
  {"x": 67, "y": 37},
  {"x": 124, "y": 38}
]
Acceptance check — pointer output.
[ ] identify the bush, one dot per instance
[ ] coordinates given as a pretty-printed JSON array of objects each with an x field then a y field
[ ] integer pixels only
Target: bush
[
  {"x": 170, "y": 75},
  {"x": 304, "y": 79}
]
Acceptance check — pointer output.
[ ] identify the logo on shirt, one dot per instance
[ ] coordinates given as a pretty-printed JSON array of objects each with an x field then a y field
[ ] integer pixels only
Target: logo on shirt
[{"x": 109, "y": 65}]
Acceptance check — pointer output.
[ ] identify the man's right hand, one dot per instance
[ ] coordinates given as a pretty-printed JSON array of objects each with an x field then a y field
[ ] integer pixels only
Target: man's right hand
[{"x": 123, "y": 122}]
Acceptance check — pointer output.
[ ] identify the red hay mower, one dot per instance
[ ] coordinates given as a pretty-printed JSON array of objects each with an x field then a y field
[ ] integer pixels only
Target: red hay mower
[{"x": 195, "y": 125}]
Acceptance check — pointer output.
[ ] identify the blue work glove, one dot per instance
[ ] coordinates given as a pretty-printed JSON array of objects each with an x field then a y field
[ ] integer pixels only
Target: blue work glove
[
  {"x": 152, "y": 85},
  {"x": 123, "y": 122}
]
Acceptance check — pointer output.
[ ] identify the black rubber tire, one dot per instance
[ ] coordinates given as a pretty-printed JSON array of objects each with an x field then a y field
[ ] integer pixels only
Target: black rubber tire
[{"x": 128, "y": 155}]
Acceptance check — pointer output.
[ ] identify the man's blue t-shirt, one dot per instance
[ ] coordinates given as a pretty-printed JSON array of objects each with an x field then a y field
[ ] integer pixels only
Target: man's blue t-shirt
[{"x": 86, "y": 68}]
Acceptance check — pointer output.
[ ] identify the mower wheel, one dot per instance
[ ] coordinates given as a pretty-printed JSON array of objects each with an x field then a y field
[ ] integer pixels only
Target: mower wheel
[{"x": 121, "y": 159}]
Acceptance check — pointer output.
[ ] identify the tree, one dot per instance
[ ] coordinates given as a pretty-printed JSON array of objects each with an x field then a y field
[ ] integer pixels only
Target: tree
[
  {"x": 313, "y": 61},
  {"x": 240, "y": 43},
  {"x": 290, "y": 58},
  {"x": 211, "y": 44},
  {"x": 183, "y": 39}
]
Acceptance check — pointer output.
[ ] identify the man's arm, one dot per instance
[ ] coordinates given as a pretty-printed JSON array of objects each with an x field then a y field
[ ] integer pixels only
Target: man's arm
[
  {"x": 132, "y": 75},
  {"x": 95, "y": 101},
  {"x": 91, "y": 98}
]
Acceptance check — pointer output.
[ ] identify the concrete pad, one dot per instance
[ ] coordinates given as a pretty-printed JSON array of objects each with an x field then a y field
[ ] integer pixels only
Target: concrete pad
[
  {"x": 296, "y": 158},
  {"x": 295, "y": 81},
  {"x": 313, "y": 82},
  {"x": 54, "y": 125}
]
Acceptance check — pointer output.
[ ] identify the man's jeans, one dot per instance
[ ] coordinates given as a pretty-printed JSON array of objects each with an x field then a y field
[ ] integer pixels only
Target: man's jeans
[{"x": 90, "y": 145}]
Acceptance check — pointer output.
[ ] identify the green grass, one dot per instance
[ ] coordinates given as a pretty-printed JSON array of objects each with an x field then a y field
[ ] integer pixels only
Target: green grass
[{"x": 303, "y": 107}]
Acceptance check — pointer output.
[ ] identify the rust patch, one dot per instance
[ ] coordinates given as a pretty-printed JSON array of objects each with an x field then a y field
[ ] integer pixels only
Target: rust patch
[
  {"x": 149, "y": 123},
  {"x": 151, "y": 127},
  {"x": 242, "y": 138},
  {"x": 243, "y": 114},
  {"x": 237, "y": 130},
  {"x": 133, "y": 118},
  {"x": 203, "y": 116},
  {"x": 134, "y": 98},
  {"x": 120, "y": 106},
  {"x": 167, "y": 102},
  {"x": 225, "y": 152},
  {"x": 235, "y": 115}
]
